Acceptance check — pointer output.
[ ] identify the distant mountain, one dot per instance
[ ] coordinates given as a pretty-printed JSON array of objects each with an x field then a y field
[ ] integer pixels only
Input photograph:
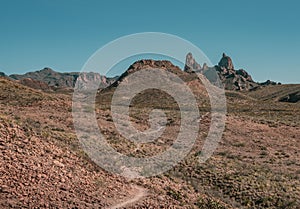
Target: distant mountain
[
  {"x": 232, "y": 79},
  {"x": 50, "y": 77},
  {"x": 240, "y": 80},
  {"x": 56, "y": 80}
]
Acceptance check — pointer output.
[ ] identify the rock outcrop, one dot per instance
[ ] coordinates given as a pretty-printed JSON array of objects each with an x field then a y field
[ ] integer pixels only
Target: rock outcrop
[
  {"x": 226, "y": 62},
  {"x": 93, "y": 80},
  {"x": 291, "y": 98},
  {"x": 191, "y": 64},
  {"x": 232, "y": 79},
  {"x": 268, "y": 82}
]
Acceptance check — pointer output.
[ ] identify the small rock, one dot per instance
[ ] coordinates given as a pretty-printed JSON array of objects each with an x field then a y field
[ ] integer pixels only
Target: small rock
[
  {"x": 59, "y": 164},
  {"x": 160, "y": 198}
]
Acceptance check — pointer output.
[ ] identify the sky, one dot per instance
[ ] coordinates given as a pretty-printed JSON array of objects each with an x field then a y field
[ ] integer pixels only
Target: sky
[{"x": 262, "y": 37}]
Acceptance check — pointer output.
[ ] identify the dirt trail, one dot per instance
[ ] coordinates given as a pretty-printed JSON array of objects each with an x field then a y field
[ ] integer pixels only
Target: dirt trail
[{"x": 138, "y": 193}]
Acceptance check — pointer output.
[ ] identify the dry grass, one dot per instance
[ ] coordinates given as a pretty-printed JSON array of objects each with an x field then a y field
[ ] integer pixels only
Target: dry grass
[{"x": 255, "y": 166}]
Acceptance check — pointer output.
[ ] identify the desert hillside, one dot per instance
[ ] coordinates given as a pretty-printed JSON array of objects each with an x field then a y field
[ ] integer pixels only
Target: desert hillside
[{"x": 256, "y": 164}]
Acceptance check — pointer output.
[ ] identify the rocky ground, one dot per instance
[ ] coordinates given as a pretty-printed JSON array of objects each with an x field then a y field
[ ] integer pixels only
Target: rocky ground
[{"x": 42, "y": 164}]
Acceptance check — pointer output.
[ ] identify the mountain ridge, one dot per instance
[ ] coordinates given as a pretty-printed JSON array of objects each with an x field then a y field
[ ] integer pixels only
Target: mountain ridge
[
  {"x": 47, "y": 79},
  {"x": 57, "y": 80}
]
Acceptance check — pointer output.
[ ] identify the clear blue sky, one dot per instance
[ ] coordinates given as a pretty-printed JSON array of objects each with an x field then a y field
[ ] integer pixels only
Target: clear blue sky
[{"x": 262, "y": 37}]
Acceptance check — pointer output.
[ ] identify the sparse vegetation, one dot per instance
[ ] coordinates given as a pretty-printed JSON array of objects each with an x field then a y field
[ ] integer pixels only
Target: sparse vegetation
[{"x": 255, "y": 166}]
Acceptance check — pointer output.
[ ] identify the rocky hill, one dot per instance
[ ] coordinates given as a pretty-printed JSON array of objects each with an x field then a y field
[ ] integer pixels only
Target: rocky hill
[
  {"x": 155, "y": 97},
  {"x": 152, "y": 64}
]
